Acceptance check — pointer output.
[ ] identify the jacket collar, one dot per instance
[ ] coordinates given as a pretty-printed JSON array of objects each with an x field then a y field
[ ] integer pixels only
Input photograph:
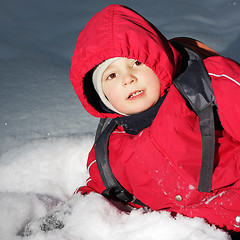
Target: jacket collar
[{"x": 134, "y": 124}]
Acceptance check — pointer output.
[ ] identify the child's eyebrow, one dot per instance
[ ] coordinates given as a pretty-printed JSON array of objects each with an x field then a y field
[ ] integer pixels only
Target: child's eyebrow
[{"x": 109, "y": 69}]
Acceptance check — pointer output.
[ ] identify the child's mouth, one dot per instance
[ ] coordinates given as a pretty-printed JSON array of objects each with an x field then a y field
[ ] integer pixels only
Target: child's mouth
[{"x": 135, "y": 94}]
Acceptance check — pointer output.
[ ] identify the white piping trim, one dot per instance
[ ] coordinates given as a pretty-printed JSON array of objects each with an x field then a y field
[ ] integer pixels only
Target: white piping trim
[
  {"x": 91, "y": 165},
  {"x": 119, "y": 131},
  {"x": 224, "y": 75},
  {"x": 87, "y": 181}
]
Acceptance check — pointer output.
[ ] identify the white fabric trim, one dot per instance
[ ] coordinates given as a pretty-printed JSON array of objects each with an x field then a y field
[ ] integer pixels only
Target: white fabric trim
[
  {"x": 88, "y": 181},
  {"x": 91, "y": 164},
  {"x": 224, "y": 75},
  {"x": 119, "y": 131}
]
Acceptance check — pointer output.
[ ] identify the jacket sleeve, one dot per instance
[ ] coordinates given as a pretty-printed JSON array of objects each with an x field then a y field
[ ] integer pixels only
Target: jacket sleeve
[
  {"x": 94, "y": 182},
  {"x": 225, "y": 75},
  {"x": 222, "y": 209}
]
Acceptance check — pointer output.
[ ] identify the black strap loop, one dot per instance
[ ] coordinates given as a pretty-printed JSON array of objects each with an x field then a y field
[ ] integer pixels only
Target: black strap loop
[
  {"x": 114, "y": 189},
  {"x": 207, "y": 128}
]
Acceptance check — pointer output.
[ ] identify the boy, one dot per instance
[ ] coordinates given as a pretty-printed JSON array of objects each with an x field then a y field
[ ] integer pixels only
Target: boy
[{"x": 123, "y": 68}]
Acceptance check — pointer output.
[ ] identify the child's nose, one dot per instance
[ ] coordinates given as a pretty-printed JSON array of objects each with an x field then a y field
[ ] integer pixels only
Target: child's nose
[{"x": 128, "y": 79}]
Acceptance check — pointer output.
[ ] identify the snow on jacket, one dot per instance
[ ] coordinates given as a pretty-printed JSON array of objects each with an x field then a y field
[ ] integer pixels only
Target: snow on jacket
[{"x": 161, "y": 165}]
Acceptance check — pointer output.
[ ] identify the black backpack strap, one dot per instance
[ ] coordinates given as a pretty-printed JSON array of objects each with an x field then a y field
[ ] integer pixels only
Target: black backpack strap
[
  {"x": 103, "y": 123},
  {"x": 207, "y": 128},
  {"x": 114, "y": 190},
  {"x": 197, "y": 90}
]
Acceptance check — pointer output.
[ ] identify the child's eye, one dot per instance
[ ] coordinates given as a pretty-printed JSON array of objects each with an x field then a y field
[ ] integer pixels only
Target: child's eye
[
  {"x": 111, "y": 76},
  {"x": 136, "y": 63}
]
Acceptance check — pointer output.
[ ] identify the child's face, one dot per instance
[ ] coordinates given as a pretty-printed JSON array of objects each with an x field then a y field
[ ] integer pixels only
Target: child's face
[{"x": 130, "y": 86}]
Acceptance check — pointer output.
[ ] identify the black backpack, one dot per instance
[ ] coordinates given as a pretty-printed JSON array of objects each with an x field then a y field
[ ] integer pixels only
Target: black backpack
[{"x": 196, "y": 89}]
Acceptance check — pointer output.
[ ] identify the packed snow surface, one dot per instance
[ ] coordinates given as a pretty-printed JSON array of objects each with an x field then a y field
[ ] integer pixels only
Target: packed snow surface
[{"x": 45, "y": 134}]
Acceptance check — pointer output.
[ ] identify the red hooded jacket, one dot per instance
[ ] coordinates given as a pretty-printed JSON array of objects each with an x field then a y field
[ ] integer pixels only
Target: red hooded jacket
[{"x": 161, "y": 165}]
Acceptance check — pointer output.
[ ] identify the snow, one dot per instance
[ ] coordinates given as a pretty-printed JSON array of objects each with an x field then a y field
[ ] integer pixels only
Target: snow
[{"x": 45, "y": 134}]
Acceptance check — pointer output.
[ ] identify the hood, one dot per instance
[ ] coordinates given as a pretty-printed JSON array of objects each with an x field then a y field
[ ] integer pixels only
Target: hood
[{"x": 118, "y": 31}]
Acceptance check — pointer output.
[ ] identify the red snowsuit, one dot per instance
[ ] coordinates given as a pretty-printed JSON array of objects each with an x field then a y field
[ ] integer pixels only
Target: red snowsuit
[{"x": 161, "y": 165}]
